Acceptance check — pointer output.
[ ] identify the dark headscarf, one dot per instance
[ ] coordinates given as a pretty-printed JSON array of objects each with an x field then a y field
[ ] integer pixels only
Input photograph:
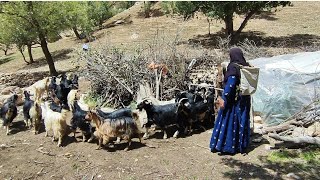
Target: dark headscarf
[{"x": 236, "y": 56}]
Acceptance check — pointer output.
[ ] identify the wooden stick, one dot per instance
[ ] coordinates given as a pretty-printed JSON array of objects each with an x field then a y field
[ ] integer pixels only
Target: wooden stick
[{"x": 296, "y": 140}]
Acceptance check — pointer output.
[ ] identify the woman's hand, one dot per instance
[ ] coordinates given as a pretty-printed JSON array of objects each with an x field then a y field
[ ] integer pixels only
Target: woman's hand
[{"x": 220, "y": 102}]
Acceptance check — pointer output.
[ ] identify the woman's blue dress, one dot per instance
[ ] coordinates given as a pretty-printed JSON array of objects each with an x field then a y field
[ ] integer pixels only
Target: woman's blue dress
[{"x": 231, "y": 131}]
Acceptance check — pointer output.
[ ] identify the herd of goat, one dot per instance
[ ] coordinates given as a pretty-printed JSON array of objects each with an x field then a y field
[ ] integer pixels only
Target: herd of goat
[{"x": 49, "y": 100}]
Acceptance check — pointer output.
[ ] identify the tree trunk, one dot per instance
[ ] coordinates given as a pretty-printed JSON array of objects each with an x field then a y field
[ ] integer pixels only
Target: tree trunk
[
  {"x": 30, "y": 53},
  {"x": 75, "y": 30},
  {"x": 24, "y": 58},
  {"x": 243, "y": 24},
  {"x": 43, "y": 41},
  {"x": 46, "y": 52},
  {"x": 5, "y": 51},
  {"x": 208, "y": 20},
  {"x": 228, "y": 20}
]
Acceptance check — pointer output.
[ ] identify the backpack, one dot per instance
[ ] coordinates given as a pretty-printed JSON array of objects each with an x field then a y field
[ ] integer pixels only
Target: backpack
[{"x": 249, "y": 76}]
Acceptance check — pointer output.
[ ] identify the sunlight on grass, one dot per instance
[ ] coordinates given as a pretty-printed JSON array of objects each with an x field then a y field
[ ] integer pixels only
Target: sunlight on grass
[{"x": 308, "y": 156}]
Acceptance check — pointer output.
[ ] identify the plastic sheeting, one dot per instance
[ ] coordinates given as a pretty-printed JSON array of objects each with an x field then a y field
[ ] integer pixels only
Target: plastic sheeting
[{"x": 286, "y": 84}]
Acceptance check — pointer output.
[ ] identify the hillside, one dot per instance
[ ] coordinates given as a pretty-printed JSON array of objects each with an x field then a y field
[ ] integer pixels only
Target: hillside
[{"x": 295, "y": 25}]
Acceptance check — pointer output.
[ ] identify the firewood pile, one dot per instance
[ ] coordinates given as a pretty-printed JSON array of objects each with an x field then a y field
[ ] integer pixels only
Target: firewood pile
[
  {"x": 302, "y": 128},
  {"x": 115, "y": 74}
]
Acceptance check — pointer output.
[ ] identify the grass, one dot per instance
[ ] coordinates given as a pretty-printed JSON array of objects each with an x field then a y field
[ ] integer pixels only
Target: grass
[{"x": 303, "y": 159}]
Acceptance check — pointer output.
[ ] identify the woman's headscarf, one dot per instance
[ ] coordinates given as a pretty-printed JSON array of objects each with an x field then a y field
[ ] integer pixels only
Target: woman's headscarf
[{"x": 236, "y": 56}]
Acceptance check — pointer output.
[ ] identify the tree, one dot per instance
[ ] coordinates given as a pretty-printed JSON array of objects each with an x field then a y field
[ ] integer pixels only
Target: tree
[
  {"x": 78, "y": 19},
  {"x": 18, "y": 33},
  {"x": 45, "y": 19},
  {"x": 99, "y": 11},
  {"x": 226, "y": 10}
]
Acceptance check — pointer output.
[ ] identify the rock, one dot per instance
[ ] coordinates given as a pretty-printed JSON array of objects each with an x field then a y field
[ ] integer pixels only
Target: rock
[
  {"x": 8, "y": 90},
  {"x": 258, "y": 119},
  {"x": 293, "y": 176},
  {"x": 3, "y": 98},
  {"x": 298, "y": 131},
  {"x": 313, "y": 130},
  {"x": 267, "y": 147}
]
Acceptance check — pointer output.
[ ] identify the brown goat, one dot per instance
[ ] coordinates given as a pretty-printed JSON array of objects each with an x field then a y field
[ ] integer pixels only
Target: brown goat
[
  {"x": 36, "y": 116},
  {"x": 124, "y": 127}
]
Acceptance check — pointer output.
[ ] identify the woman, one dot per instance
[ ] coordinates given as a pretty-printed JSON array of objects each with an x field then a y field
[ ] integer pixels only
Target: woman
[{"x": 232, "y": 129}]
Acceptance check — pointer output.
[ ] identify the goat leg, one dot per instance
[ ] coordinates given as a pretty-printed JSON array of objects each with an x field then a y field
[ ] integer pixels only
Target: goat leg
[
  {"x": 118, "y": 140},
  {"x": 100, "y": 142},
  {"x": 165, "y": 136},
  {"x": 146, "y": 134},
  {"x": 46, "y": 135},
  {"x": 91, "y": 138},
  {"x": 83, "y": 136},
  {"x": 60, "y": 139},
  {"x": 129, "y": 144},
  {"x": 7, "y": 127},
  {"x": 175, "y": 135},
  {"x": 26, "y": 123}
]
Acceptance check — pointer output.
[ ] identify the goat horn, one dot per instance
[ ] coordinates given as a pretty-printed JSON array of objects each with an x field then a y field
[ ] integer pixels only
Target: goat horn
[{"x": 182, "y": 100}]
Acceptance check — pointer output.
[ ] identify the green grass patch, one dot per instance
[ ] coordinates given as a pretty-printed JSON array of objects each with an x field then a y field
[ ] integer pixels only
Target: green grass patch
[{"x": 305, "y": 157}]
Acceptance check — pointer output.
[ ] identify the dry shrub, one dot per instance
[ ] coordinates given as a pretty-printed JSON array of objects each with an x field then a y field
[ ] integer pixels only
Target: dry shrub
[{"x": 115, "y": 73}]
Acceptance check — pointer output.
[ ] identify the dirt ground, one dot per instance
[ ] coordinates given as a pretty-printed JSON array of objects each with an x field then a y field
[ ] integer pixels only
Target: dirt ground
[{"x": 24, "y": 155}]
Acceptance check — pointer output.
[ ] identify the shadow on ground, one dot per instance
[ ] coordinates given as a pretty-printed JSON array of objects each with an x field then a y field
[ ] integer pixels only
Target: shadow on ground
[
  {"x": 5, "y": 59},
  {"x": 270, "y": 16},
  {"x": 267, "y": 169},
  {"x": 59, "y": 55},
  {"x": 259, "y": 38}
]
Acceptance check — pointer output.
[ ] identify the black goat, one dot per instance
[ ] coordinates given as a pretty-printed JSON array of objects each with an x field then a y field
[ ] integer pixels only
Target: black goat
[
  {"x": 28, "y": 103},
  {"x": 162, "y": 116},
  {"x": 53, "y": 84},
  {"x": 197, "y": 109},
  {"x": 79, "y": 121},
  {"x": 9, "y": 111},
  {"x": 61, "y": 93},
  {"x": 74, "y": 82}
]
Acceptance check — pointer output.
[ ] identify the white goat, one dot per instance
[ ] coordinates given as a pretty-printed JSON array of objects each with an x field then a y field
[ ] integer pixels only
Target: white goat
[
  {"x": 40, "y": 87},
  {"x": 72, "y": 96},
  {"x": 56, "y": 122}
]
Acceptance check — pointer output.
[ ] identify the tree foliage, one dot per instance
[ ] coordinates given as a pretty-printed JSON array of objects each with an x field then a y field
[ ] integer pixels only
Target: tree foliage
[
  {"x": 30, "y": 22},
  {"x": 226, "y": 10}
]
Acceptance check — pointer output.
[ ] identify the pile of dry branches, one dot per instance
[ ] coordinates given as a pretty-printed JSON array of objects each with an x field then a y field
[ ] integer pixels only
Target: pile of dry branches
[{"x": 115, "y": 73}]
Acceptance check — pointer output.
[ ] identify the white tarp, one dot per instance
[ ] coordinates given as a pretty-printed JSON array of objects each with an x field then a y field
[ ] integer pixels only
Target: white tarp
[{"x": 286, "y": 84}]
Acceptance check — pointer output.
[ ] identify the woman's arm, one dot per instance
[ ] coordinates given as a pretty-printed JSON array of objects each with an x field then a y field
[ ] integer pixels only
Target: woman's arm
[{"x": 229, "y": 91}]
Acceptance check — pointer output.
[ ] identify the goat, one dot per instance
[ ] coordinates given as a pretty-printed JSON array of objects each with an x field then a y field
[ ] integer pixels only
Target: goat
[
  {"x": 9, "y": 111},
  {"x": 125, "y": 112},
  {"x": 162, "y": 116},
  {"x": 72, "y": 96},
  {"x": 36, "y": 116},
  {"x": 28, "y": 103},
  {"x": 75, "y": 82},
  {"x": 40, "y": 87},
  {"x": 195, "y": 108},
  {"x": 79, "y": 121},
  {"x": 56, "y": 122},
  {"x": 124, "y": 127},
  {"x": 62, "y": 92}
]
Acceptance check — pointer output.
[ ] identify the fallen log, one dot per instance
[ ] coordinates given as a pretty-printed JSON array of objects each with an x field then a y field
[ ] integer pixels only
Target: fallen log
[
  {"x": 296, "y": 140},
  {"x": 281, "y": 127}
]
